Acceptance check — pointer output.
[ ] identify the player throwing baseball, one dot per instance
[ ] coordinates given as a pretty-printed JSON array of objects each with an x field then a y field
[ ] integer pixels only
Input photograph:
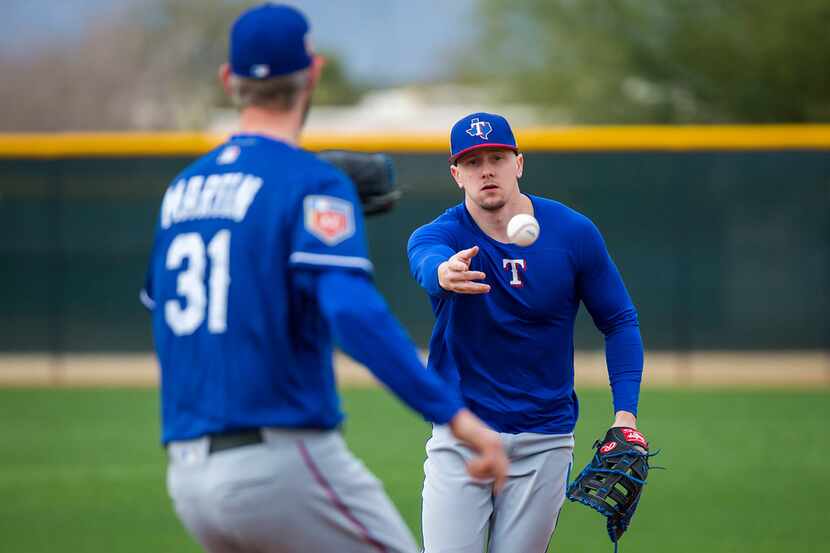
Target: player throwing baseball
[
  {"x": 259, "y": 261},
  {"x": 503, "y": 337}
]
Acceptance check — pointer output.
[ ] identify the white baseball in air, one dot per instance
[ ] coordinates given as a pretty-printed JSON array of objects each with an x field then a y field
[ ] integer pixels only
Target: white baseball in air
[{"x": 523, "y": 229}]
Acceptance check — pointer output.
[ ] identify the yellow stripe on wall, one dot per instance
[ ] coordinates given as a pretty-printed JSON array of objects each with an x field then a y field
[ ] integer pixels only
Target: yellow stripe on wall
[
  {"x": 62, "y": 145},
  {"x": 629, "y": 138},
  {"x": 691, "y": 137}
]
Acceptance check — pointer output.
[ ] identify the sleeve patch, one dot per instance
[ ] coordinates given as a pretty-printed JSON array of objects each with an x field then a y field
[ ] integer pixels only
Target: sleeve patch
[{"x": 328, "y": 218}]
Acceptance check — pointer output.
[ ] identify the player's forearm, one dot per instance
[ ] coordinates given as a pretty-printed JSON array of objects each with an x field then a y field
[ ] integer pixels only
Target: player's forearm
[
  {"x": 624, "y": 357},
  {"x": 615, "y": 316},
  {"x": 425, "y": 255},
  {"x": 368, "y": 332},
  {"x": 425, "y": 272}
]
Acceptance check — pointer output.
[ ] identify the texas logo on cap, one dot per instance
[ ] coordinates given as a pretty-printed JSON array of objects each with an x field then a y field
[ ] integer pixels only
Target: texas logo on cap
[{"x": 480, "y": 130}]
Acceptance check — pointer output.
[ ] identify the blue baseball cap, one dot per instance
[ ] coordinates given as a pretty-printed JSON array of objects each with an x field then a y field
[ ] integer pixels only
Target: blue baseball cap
[
  {"x": 268, "y": 41},
  {"x": 480, "y": 130}
]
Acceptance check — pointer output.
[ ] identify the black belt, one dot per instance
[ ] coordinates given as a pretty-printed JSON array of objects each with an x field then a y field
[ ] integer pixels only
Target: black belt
[{"x": 233, "y": 439}]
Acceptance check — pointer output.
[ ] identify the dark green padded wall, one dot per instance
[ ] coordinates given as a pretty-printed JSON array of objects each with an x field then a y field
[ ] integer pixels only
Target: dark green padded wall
[{"x": 720, "y": 250}]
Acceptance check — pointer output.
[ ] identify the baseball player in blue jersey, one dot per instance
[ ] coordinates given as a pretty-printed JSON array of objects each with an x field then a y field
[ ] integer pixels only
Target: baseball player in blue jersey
[
  {"x": 503, "y": 338},
  {"x": 259, "y": 262}
]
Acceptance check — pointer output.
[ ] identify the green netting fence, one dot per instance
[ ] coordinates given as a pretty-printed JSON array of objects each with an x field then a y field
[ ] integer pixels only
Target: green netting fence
[{"x": 719, "y": 249}]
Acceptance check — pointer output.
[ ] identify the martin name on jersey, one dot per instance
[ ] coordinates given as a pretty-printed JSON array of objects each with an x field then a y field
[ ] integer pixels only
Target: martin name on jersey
[{"x": 224, "y": 196}]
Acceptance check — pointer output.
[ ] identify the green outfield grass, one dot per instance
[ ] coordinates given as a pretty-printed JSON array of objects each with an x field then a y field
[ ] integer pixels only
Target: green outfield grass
[{"x": 81, "y": 471}]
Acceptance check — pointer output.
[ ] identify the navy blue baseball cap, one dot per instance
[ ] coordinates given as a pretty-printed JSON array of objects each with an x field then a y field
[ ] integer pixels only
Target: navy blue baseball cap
[
  {"x": 480, "y": 130},
  {"x": 269, "y": 40}
]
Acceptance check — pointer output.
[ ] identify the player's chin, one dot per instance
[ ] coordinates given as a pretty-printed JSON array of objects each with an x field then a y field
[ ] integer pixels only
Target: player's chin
[{"x": 491, "y": 202}]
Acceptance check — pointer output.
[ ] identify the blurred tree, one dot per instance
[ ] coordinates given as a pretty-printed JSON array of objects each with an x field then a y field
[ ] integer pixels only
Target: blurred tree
[
  {"x": 659, "y": 61},
  {"x": 151, "y": 67},
  {"x": 335, "y": 87}
]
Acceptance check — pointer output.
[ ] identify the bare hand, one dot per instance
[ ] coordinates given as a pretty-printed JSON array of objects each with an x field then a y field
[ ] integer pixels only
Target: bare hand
[
  {"x": 491, "y": 462},
  {"x": 454, "y": 274}
]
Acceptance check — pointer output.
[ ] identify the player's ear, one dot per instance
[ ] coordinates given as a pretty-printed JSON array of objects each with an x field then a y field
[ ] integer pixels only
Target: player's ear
[
  {"x": 520, "y": 165},
  {"x": 225, "y": 77},
  {"x": 316, "y": 70},
  {"x": 455, "y": 176}
]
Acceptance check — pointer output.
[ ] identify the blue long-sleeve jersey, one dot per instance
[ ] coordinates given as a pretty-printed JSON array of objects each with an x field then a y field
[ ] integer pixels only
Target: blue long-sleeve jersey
[
  {"x": 259, "y": 262},
  {"x": 510, "y": 352}
]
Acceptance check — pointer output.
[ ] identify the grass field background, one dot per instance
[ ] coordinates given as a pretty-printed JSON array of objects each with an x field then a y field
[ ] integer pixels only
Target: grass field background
[{"x": 81, "y": 470}]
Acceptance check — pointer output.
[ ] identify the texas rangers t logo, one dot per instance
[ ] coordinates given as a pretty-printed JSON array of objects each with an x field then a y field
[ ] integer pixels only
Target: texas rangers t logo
[
  {"x": 514, "y": 265},
  {"x": 481, "y": 129}
]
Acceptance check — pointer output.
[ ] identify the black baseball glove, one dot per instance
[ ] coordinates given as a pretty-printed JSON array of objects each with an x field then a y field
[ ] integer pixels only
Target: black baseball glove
[
  {"x": 613, "y": 481},
  {"x": 372, "y": 174}
]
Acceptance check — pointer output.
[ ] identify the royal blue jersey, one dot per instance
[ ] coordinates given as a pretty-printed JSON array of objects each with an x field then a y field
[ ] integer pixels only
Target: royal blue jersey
[
  {"x": 259, "y": 255},
  {"x": 510, "y": 351}
]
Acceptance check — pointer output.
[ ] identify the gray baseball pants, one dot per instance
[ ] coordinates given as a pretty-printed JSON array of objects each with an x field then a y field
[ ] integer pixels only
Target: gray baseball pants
[
  {"x": 461, "y": 515},
  {"x": 298, "y": 492}
]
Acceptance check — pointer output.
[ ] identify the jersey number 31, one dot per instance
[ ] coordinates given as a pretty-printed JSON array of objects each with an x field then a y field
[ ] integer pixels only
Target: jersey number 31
[{"x": 184, "y": 320}]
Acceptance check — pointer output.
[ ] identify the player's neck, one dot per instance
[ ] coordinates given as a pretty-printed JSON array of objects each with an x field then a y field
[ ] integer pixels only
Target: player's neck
[
  {"x": 282, "y": 126},
  {"x": 494, "y": 222}
]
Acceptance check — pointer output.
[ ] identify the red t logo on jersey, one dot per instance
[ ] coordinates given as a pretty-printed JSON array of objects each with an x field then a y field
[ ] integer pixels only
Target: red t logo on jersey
[{"x": 514, "y": 265}]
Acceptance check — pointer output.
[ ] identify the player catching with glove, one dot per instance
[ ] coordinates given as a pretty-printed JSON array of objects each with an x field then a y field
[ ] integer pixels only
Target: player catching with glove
[
  {"x": 505, "y": 307},
  {"x": 613, "y": 480}
]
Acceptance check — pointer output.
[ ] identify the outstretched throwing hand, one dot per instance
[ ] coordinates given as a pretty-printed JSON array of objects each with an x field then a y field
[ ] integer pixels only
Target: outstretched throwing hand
[{"x": 454, "y": 274}]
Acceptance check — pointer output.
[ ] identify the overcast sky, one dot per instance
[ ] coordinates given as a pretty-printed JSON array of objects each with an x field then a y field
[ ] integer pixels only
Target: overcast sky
[{"x": 417, "y": 38}]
